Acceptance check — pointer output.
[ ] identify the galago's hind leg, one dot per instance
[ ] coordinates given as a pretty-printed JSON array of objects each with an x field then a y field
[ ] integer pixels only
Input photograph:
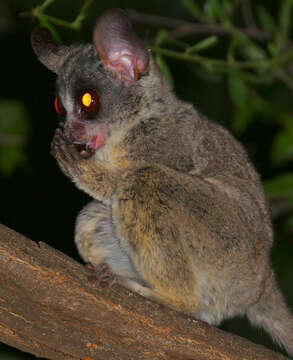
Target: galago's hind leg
[{"x": 98, "y": 245}]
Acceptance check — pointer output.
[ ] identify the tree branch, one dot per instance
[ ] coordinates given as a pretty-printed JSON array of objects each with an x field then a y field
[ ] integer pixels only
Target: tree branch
[
  {"x": 183, "y": 28},
  {"x": 50, "y": 309}
]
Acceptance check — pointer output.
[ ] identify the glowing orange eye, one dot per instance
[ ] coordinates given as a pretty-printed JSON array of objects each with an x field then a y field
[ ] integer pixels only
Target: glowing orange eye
[
  {"x": 59, "y": 107},
  {"x": 89, "y": 101}
]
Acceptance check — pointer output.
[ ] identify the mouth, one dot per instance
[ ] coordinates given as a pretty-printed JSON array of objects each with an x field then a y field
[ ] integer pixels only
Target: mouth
[
  {"x": 86, "y": 145},
  {"x": 85, "y": 151},
  {"x": 88, "y": 148}
]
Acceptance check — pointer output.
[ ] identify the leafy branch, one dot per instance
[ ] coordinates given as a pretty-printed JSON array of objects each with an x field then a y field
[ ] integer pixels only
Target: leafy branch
[
  {"x": 47, "y": 20},
  {"x": 226, "y": 66},
  {"x": 243, "y": 53}
]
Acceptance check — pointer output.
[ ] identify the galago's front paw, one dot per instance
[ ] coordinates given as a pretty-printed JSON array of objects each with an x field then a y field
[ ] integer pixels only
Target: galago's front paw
[{"x": 70, "y": 159}]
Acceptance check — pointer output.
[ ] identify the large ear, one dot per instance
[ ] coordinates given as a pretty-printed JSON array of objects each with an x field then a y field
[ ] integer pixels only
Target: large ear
[
  {"x": 49, "y": 52},
  {"x": 120, "y": 49}
]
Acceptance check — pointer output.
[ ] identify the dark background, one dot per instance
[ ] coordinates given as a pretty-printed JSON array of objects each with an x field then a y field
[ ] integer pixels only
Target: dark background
[{"x": 39, "y": 202}]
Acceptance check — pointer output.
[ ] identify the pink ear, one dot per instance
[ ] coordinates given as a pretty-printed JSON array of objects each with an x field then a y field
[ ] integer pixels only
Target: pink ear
[{"x": 120, "y": 49}]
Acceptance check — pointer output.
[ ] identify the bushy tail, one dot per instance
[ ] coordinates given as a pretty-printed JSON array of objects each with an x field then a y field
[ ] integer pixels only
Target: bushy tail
[{"x": 272, "y": 313}]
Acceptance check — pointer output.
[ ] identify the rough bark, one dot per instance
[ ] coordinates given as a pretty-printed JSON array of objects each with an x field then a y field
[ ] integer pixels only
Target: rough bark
[{"x": 49, "y": 308}]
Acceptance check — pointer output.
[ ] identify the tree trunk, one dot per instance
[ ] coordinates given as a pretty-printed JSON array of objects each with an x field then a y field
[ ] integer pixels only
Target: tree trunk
[{"x": 49, "y": 308}]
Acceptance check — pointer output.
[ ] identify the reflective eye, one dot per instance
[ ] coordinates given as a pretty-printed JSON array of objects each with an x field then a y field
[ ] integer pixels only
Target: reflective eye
[
  {"x": 89, "y": 101},
  {"x": 59, "y": 107}
]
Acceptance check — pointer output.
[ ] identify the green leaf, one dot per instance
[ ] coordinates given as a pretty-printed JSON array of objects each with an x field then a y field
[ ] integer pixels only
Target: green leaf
[
  {"x": 163, "y": 66},
  {"x": 282, "y": 148},
  {"x": 211, "y": 10},
  {"x": 252, "y": 51},
  {"x": 13, "y": 117},
  {"x": 203, "y": 44},
  {"x": 14, "y": 127},
  {"x": 214, "y": 11},
  {"x": 266, "y": 20},
  {"x": 233, "y": 45},
  {"x": 237, "y": 89},
  {"x": 242, "y": 117},
  {"x": 285, "y": 15},
  {"x": 161, "y": 37},
  {"x": 280, "y": 186},
  {"x": 193, "y": 8},
  {"x": 11, "y": 158},
  {"x": 205, "y": 75},
  {"x": 274, "y": 48},
  {"x": 229, "y": 6}
]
